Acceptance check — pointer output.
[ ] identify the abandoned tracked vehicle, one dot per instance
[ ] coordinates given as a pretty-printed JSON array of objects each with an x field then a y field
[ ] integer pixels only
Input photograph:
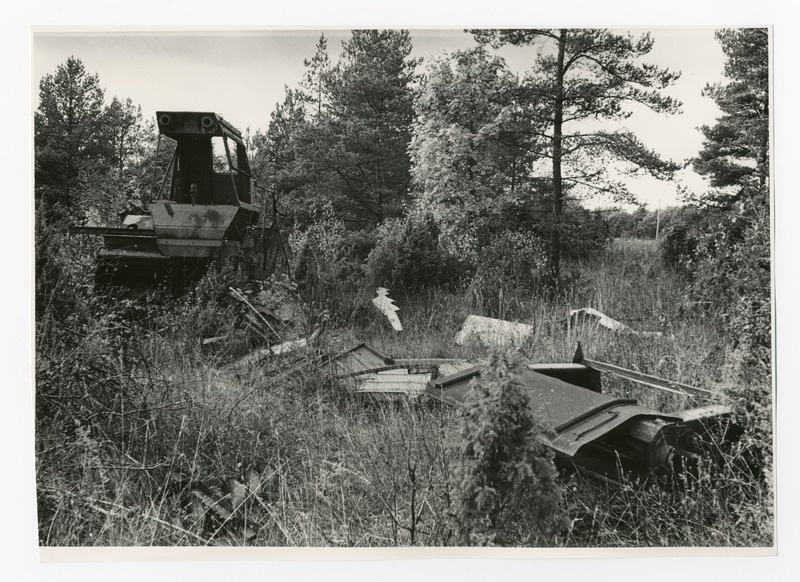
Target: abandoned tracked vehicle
[{"x": 204, "y": 211}]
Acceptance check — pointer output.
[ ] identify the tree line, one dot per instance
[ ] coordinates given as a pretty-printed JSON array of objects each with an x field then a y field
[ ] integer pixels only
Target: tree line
[
  {"x": 91, "y": 158},
  {"x": 379, "y": 135},
  {"x": 466, "y": 140}
]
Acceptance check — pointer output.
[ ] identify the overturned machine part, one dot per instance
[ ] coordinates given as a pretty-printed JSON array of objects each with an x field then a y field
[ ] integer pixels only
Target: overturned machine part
[
  {"x": 204, "y": 211},
  {"x": 598, "y": 433}
]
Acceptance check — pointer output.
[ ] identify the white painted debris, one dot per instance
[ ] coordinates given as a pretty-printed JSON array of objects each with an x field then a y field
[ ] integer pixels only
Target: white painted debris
[
  {"x": 292, "y": 345},
  {"x": 289, "y": 346},
  {"x": 455, "y": 367},
  {"x": 602, "y": 320},
  {"x": 494, "y": 332},
  {"x": 400, "y": 381},
  {"x": 386, "y": 306}
]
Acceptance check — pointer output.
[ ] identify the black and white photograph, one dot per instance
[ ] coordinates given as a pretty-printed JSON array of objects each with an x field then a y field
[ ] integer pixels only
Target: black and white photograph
[{"x": 463, "y": 288}]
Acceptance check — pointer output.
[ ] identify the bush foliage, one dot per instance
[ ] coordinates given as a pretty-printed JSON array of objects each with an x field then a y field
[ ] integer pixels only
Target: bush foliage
[
  {"x": 506, "y": 491},
  {"x": 408, "y": 256}
]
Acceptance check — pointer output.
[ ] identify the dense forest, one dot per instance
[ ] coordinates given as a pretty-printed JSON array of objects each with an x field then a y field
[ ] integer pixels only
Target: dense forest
[{"x": 459, "y": 186}]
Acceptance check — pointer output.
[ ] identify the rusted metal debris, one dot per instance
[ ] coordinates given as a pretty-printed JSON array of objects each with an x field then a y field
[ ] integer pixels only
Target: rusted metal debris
[
  {"x": 647, "y": 380},
  {"x": 290, "y": 346},
  {"x": 601, "y": 320},
  {"x": 358, "y": 360},
  {"x": 256, "y": 318},
  {"x": 368, "y": 371},
  {"x": 597, "y": 433},
  {"x": 495, "y": 332},
  {"x": 398, "y": 381}
]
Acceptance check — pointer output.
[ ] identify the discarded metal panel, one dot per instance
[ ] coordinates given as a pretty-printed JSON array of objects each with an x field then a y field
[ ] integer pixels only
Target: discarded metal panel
[
  {"x": 577, "y": 414},
  {"x": 426, "y": 361},
  {"x": 386, "y": 306},
  {"x": 600, "y": 434},
  {"x": 283, "y": 348},
  {"x": 648, "y": 380},
  {"x": 588, "y": 314},
  {"x": 290, "y": 346},
  {"x": 399, "y": 381},
  {"x": 596, "y": 317},
  {"x": 439, "y": 366},
  {"x": 593, "y": 431},
  {"x": 493, "y": 331},
  {"x": 450, "y": 368},
  {"x": 370, "y": 371},
  {"x": 703, "y": 413},
  {"x": 358, "y": 360},
  {"x": 577, "y": 374}
]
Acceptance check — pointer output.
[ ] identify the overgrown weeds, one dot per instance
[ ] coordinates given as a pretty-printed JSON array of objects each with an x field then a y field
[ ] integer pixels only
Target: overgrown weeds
[{"x": 146, "y": 437}]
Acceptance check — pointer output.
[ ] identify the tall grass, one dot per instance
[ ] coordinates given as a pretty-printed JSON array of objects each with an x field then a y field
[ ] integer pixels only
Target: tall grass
[{"x": 141, "y": 430}]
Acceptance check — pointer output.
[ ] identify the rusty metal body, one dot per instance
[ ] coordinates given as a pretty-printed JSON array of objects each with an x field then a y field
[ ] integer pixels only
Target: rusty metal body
[
  {"x": 202, "y": 212},
  {"x": 597, "y": 433}
]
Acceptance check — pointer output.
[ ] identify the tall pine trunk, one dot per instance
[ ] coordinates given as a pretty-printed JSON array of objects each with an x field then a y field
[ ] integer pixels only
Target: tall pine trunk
[{"x": 554, "y": 266}]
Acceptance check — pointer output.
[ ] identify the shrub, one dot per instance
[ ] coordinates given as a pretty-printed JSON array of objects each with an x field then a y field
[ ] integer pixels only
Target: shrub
[
  {"x": 748, "y": 314},
  {"x": 64, "y": 272},
  {"x": 328, "y": 267},
  {"x": 725, "y": 255},
  {"x": 512, "y": 263},
  {"x": 683, "y": 237},
  {"x": 408, "y": 255},
  {"x": 583, "y": 233},
  {"x": 506, "y": 490}
]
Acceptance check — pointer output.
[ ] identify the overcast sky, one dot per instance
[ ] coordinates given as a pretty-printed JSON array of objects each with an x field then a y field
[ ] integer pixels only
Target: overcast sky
[{"x": 242, "y": 75}]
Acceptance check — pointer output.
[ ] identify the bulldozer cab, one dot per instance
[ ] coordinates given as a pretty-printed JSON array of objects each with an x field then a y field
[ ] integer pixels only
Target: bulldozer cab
[
  {"x": 209, "y": 165},
  {"x": 204, "y": 212}
]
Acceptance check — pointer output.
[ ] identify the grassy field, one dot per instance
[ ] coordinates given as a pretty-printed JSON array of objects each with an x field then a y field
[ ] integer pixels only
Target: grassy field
[{"x": 140, "y": 429}]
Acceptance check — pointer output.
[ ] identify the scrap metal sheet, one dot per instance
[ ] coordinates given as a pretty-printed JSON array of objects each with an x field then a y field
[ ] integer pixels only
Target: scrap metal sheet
[
  {"x": 392, "y": 382},
  {"x": 358, "y": 360},
  {"x": 577, "y": 415},
  {"x": 450, "y": 368}
]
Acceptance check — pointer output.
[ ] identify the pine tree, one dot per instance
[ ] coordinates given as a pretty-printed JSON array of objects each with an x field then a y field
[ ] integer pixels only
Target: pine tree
[
  {"x": 277, "y": 159},
  {"x": 69, "y": 140},
  {"x": 314, "y": 86},
  {"x": 736, "y": 148},
  {"x": 589, "y": 74},
  {"x": 732, "y": 262},
  {"x": 359, "y": 146},
  {"x": 126, "y": 133}
]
